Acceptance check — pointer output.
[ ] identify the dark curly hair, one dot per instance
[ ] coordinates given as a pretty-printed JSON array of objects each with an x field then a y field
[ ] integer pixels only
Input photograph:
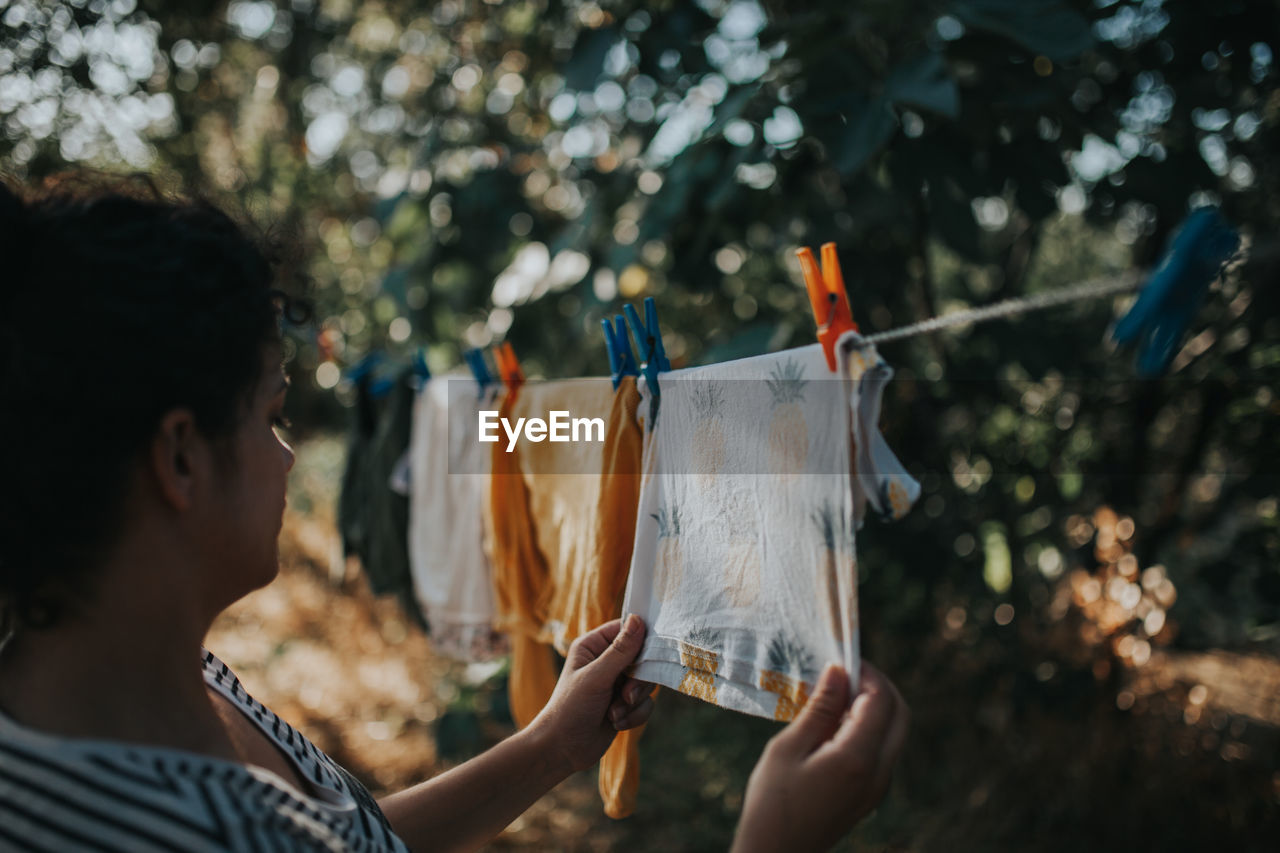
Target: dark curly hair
[{"x": 117, "y": 304}]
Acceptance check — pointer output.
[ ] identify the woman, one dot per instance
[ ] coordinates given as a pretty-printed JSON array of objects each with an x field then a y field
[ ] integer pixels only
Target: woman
[{"x": 141, "y": 379}]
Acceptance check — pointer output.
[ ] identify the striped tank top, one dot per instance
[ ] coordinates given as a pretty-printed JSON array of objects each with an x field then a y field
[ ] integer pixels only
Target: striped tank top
[{"x": 69, "y": 794}]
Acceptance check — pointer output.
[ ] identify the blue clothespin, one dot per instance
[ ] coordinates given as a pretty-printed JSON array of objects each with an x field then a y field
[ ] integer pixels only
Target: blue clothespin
[
  {"x": 364, "y": 366},
  {"x": 622, "y": 362},
  {"x": 475, "y": 360},
  {"x": 364, "y": 372},
  {"x": 1172, "y": 295},
  {"x": 653, "y": 356},
  {"x": 419, "y": 363},
  {"x": 420, "y": 374}
]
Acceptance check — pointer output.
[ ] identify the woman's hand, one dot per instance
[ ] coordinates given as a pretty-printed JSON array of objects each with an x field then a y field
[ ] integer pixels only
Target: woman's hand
[
  {"x": 828, "y": 769},
  {"x": 593, "y": 700},
  {"x": 470, "y": 804}
]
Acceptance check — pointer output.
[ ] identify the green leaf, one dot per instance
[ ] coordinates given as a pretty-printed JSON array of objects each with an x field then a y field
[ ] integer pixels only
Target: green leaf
[
  {"x": 1048, "y": 27},
  {"x": 731, "y": 107},
  {"x": 752, "y": 340},
  {"x": 948, "y": 158},
  {"x": 869, "y": 124},
  {"x": 673, "y": 203},
  {"x": 997, "y": 569},
  {"x": 726, "y": 187},
  {"x": 622, "y": 256},
  {"x": 576, "y": 234},
  {"x": 396, "y": 283},
  {"x": 682, "y": 29},
  {"x": 925, "y": 81},
  {"x": 585, "y": 66},
  {"x": 1036, "y": 171},
  {"x": 384, "y": 209},
  {"x": 952, "y": 218}
]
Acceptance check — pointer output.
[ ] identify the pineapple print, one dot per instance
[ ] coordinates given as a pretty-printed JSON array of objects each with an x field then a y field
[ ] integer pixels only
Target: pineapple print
[
  {"x": 788, "y": 432},
  {"x": 791, "y": 666},
  {"x": 742, "y": 572},
  {"x": 708, "y": 451},
  {"x": 700, "y": 663},
  {"x": 669, "y": 572},
  {"x": 858, "y": 364},
  {"x": 896, "y": 500},
  {"x": 828, "y": 577},
  {"x": 833, "y": 551}
]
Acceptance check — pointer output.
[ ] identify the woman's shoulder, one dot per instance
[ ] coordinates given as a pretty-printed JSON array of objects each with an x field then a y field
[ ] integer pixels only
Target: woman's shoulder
[
  {"x": 332, "y": 781},
  {"x": 69, "y": 794},
  {"x": 312, "y": 763}
]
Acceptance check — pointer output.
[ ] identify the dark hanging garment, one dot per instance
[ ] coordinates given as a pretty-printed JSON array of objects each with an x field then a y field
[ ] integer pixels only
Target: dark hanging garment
[
  {"x": 353, "y": 503},
  {"x": 372, "y": 517},
  {"x": 386, "y": 561}
]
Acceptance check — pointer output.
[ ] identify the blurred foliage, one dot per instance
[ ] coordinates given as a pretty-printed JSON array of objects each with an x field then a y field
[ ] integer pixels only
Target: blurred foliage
[
  {"x": 468, "y": 172},
  {"x": 471, "y": 171}
]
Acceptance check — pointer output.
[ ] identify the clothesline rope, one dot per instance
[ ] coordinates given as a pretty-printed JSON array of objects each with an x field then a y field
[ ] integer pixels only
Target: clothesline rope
[
  {"x": 1090, "y": 289},
  {"x": 1093, "y": 288}
]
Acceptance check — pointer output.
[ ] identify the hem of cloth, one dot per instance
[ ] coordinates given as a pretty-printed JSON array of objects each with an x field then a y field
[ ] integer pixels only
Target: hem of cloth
[
  {"x": 466, "y": 641},
  {"x": 519, "y": 626},
  {"x": 556, "y": 634},
  {"x": 728, "y": 682}
]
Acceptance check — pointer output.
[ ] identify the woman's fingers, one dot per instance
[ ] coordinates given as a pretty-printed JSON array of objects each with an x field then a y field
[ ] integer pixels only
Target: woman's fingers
[
  {"x": 863, "y": 750},
  {"x": 592, "y": 644},
  {"x": 633, "y": 690},
  {"x": 637, "y": 715},
  {"x": 822, "y": 714},
  {"x": 632, "y": 695}
]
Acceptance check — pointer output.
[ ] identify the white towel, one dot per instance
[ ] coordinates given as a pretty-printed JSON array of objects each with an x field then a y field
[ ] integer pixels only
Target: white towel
[
  {"x": 744, "y": 567},
  {"x": 448, "y": 491}
]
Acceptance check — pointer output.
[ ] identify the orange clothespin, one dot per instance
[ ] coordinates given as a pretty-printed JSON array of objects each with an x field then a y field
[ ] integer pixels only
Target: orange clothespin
[
  {"x": 508, "y": 368},
  {"x": 830, "y": 303}
]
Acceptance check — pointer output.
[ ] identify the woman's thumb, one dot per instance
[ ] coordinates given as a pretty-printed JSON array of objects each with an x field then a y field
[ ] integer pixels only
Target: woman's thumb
[
  {"x": 821, "y": 716},
  {"x": 622, "y": 652}
]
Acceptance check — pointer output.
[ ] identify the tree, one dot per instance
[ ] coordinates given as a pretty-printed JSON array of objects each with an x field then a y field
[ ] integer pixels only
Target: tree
[{"x": 474, "y": 171}]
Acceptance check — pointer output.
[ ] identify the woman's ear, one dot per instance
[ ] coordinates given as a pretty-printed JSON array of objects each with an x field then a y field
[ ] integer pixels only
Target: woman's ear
[{"x": 177, "y": 455}]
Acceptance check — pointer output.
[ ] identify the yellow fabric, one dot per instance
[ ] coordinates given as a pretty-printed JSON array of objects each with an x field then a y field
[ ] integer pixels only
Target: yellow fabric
[
  {"x": 520, "y": 576},
  {"x": 520, "y": 581},
  {"x": 620, "y": 772},
  {"x": 563, "y": 523},
  {"x": 533, "y": 677}
]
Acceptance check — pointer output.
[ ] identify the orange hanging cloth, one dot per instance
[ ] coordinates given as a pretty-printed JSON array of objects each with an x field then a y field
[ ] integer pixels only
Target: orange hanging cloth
[
  {"x": 520, "y": 582},
  {"x": 563, "y": 523}
]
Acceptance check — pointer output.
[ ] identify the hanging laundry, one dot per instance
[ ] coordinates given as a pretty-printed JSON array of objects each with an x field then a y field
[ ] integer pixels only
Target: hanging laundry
[
  {"x": 448, "y": 492},
  {"x": 563, "y": 522},
  {"x": 372, "y": 517},
  {"x": 756, "y": 476},
  {"x": 353, "y": 506}
]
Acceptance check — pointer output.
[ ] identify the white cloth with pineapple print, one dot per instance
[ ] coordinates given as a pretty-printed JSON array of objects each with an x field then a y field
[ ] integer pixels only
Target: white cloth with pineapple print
[{"x": 756, "y": 476}]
